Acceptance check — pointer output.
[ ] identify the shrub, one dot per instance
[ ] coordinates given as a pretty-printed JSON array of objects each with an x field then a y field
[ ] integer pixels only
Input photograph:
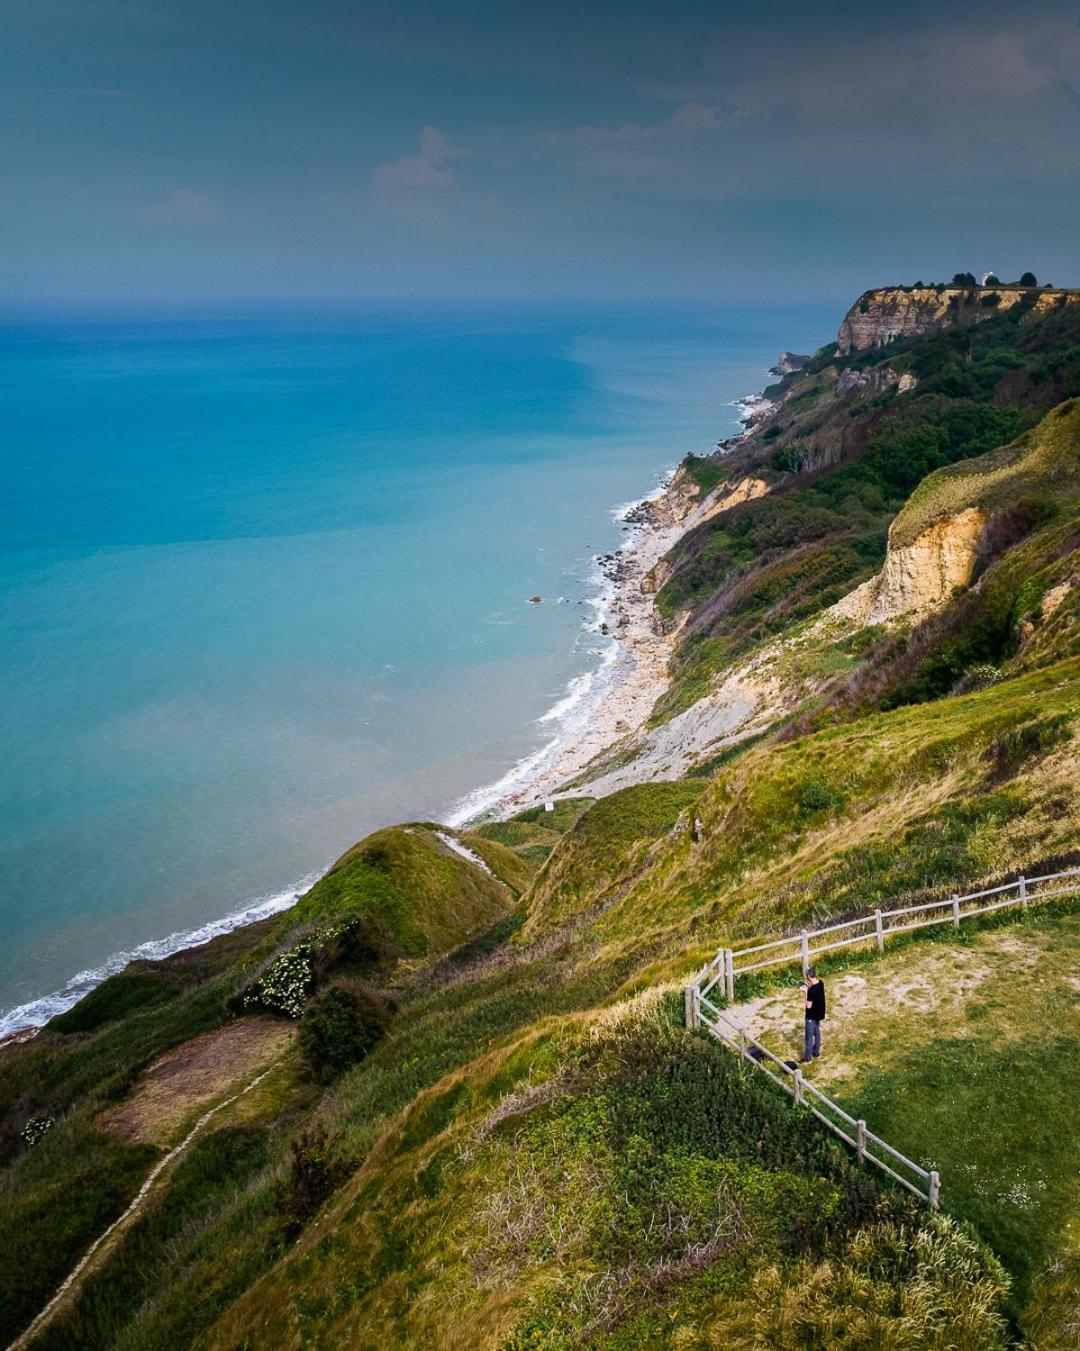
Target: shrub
[
  {"x": 313, "y": 1174},
  {"x": 818, "y": 797},
  {"x": 1029, "y": 279},
  {"x": 979, "y": 677},
  {"x": 339, "y": 1028},
  {"x": 284, "y": 986},
  {"x": 36, "y": 1129}
]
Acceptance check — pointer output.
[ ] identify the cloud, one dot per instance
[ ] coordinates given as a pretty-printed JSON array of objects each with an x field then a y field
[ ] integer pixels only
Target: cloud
[
  {"x": 180, "y": 206},
  {"x": 690, "y": 119},
  {"x": 431, "y": 169},
  {"x": 642, "y": 151}
]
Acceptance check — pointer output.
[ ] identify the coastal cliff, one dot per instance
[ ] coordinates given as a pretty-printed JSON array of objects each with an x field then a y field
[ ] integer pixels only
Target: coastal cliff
[
  {"x": 448, "y": 1098},
  {"x": 879, "y": 316}
]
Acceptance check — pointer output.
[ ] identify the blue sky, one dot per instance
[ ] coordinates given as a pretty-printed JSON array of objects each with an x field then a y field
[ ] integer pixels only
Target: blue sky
[{"x": 186, "y": 151}]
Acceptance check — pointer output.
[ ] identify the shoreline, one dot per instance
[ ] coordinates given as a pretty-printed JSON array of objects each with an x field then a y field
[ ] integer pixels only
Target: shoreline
[
  {"x": 601, "y": 706},
  {"x": 597, "y": 710}
]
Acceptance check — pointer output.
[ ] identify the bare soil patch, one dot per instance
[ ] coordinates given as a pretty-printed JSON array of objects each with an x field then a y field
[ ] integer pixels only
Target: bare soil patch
[{"x": 192, "y": 1075}]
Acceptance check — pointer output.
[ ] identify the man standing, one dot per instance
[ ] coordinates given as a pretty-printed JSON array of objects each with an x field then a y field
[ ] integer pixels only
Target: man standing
[{"x": 813, "y": 993}]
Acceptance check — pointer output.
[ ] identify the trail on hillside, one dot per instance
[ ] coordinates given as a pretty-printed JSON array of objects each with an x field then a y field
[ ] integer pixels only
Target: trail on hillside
[{"x": 74, "y": 1281}]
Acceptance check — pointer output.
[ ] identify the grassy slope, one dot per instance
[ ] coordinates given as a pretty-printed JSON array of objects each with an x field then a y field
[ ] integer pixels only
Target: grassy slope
[
  {"x": 425, "y": 895},
  {"x": 742, "y": 874},
  {"x": 963, "y": 1052},
  {"x": 60, "y": 1195},
  {"x": 524, "y": 1058},
  {"x": 567, "y": 1189},
  {"x": 440, "y": 1032},
  {"x": 842, "y": 469}
]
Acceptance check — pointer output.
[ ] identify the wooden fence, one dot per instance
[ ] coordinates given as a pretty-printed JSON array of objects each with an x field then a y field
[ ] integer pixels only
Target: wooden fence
[
  {"x": 874, "y": 928},
  {"x": 878, "y": 925}
]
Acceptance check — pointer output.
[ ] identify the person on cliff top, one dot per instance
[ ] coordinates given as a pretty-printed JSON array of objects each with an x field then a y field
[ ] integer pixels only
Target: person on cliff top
[{"x": 813, "y": 993}]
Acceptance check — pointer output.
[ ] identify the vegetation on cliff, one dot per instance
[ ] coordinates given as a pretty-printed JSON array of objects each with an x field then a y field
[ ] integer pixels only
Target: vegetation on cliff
[{"x": 488, "y": 1125}]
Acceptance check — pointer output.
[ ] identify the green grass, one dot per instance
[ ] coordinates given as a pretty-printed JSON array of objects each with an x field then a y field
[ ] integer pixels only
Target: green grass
[
  {"x": 705, "y": 471},
  {"x": 962, "y": 1050},
  {"x": 223, "y": 1161},
  {"x": 423, "y": 895},
  {"x": 581, "y": 1212}
]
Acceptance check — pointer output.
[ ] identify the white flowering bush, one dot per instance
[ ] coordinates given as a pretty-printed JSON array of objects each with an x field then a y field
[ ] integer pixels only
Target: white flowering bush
[
  {"x": 286, "y": 983},
  {"x": 36, "y": 1129}
]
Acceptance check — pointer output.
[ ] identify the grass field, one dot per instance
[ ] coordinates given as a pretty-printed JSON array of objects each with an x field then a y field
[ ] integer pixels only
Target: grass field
[{"x": 965, "y": 1055}]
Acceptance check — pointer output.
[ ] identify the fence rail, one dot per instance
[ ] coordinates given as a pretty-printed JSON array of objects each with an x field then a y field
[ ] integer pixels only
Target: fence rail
[{"x": 876, "y": 926}]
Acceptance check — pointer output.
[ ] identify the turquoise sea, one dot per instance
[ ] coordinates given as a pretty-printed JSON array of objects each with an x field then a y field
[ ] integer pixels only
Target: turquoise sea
[{"x": 265, "y": 580}]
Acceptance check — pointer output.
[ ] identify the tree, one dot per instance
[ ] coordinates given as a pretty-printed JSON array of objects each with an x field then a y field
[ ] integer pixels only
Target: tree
[
  {"x": 964, "y": 279},
  {"x": 992, "y": 279},
  {"x": 1029, "y": 279}
]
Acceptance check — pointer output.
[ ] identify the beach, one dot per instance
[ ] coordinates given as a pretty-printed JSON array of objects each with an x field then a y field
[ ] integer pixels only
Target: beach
[
  {"x": 283, "y": 672},
  {"x": 613, "y": 701}
]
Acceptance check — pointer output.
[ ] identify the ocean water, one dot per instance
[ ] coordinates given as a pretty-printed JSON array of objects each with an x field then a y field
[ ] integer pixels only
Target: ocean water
[{"x": 265, "y": 581}]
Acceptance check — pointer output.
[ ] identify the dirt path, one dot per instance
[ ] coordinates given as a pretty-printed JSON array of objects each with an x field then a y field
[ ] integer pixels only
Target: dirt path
[{"x": 195, "y": 1071}]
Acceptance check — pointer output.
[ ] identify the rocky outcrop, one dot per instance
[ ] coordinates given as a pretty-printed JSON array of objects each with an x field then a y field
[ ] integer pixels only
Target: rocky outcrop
[
  {"x": 895, "y": 312},
  {"x": 882, "y": 378},
  {"x": 787, "y": 363},
  {"x": 676, "y": 502},
  {"x": 725, "y": 496},
  {"x": 722, "y": 498},
  {"x": 920, "y": 577}
]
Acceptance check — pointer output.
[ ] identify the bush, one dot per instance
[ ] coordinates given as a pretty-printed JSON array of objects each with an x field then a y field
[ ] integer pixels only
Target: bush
[
  {"x": 979, "y": 677},
  {"x": 36, "y": 1129},
  {"x": 339, "y": 1029},
  {"x": 285, "y": 985},
  {"x": 1028, "y": 279},
  {"x": 818, "y": 797},
  {"x": 313, "y": 1174}
]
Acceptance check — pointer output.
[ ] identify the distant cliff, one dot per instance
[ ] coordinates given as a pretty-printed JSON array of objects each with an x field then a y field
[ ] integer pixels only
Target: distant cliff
[{"x": 878, "y": 316}]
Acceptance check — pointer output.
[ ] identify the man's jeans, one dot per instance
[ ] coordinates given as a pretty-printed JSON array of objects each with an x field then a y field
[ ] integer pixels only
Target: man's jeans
[{"x": 813, "y": 1038}]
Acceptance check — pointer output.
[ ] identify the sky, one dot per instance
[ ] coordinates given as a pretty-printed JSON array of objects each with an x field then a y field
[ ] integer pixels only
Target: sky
[{"x": 193, "y": 151}]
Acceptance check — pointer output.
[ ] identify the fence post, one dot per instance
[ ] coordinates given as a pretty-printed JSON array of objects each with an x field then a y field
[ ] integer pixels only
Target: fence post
[
  {"x": 860, "y": 1147},
  {"x": 935, "y": 1190},
  {"x": 729, "y": 975},
  {"x": 878, "y": 931},
  {"x": 798, "y": 1088},
  {"x": 956, "y": 911},
  {"x": 804, "y": 942},
  {"x": 742, "y": 1043},
  {"x": 690, "y": 1008},
  {"x": 1023, "y": 889}
]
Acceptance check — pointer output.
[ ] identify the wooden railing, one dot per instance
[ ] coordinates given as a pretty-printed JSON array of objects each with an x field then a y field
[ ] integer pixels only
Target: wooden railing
[
  {"x": 922, "y": 1183},
  {"x": 702, "y": 1012},
  {"x": 876, "y": 926}
]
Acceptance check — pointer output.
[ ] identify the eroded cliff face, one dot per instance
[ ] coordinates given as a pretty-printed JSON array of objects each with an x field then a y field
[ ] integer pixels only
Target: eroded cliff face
[
  {"x": 920, "y": 577},
  {"x": 892, "y": 312},
  {"x": 683, "y": 510}
]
